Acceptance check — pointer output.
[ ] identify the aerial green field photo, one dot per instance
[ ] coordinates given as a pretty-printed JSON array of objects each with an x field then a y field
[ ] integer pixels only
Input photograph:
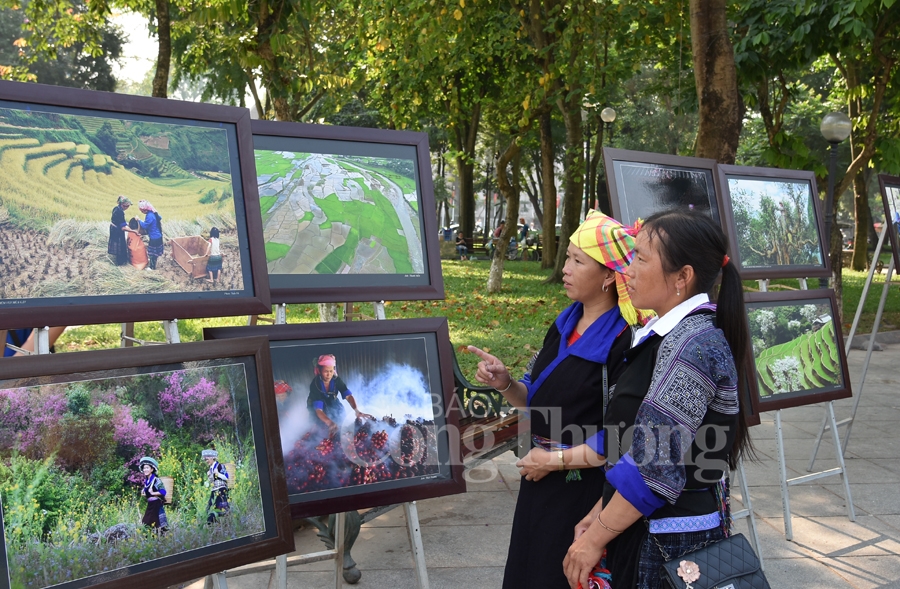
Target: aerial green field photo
[
  {"x": 338, "y": 214},
  {"x": 62, "y": 177}
]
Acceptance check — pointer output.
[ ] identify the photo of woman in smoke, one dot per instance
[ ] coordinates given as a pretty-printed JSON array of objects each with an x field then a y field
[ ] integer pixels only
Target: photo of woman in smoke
[{"x": 329, "y": 442}]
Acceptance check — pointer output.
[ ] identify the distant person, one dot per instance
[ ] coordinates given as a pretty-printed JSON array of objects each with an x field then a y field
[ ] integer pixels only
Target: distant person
[
  {"x": 214, "y": 264},
  {"x": 152, "y": 226},
  {"x": 137, "y": 250},
  {"x": 155, "y": 493},
  {"x": 325, "y": 394},
  {"x": 499, "y": 229},
  {"x": 523, "y": 233},
  {"x": 461, "y": 248},
  {"x": 118, "y": 228},
  {"x": 217, "y": 478}
]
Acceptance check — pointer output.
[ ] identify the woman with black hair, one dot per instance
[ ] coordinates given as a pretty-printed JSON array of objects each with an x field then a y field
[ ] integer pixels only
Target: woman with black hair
[
  {"x": 665, "y": 483},
  {"x": 214, "y": 263}
]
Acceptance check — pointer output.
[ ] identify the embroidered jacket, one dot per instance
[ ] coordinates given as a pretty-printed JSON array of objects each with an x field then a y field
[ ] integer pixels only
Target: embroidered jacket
[
  {"x": 693, "y": 386},
  {"x": 218, "y": 476}
]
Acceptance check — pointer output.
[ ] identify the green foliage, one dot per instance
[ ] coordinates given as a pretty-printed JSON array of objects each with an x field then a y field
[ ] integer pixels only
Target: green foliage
[
  {"x": 209, "y": 197},
  {"x": 35, "y": 55},
  {"x": 78, "y": 399},
  {"x": 276, "y": 251}
]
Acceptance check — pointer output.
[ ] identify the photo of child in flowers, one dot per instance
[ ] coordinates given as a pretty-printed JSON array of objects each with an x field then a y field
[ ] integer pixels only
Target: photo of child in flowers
[{"x": 98, "y": 475}]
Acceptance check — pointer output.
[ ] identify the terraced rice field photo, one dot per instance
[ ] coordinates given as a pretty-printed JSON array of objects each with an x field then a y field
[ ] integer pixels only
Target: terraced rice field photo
[
  {"x": 60, "y": 178},
  {"x": 795, "y": 348}
]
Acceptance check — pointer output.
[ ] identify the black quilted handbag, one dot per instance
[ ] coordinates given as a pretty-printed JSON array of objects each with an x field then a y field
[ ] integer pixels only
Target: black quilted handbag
[{"x": 726, "y": 564}]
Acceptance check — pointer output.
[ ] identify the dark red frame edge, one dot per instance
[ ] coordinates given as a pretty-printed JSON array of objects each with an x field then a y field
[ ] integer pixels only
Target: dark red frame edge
[
  {"x": 171, "y": 574},
  {"x": 808, "y": 399},
  {"x": 14, "y": 316},
  {"x": 426, "y": 490},
  {"x": 611, "y": 154},
  {"x": 430, "y": 232},
  {"x": 730, "y": 226},
  {"x": 885, "y": 180}
]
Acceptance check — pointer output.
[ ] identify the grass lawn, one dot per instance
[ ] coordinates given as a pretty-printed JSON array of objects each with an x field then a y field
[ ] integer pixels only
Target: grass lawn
[{"x": 511, "y": 324}]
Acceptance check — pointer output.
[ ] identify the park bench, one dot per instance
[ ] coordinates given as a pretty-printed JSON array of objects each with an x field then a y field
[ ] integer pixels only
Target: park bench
[{"x": 488, "y": 425}]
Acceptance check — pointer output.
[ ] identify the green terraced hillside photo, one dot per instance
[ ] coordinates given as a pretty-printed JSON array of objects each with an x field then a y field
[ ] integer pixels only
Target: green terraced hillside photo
[
  {"x": 61, "y": 176},
  {"x": 339, "y": 214},
  {"x": 795, "y": 348}
]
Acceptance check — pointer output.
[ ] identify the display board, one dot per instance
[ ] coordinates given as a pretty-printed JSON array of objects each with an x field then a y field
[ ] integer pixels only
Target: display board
[
  {"x": 76, "y": 508},
  {"x": 776, "y": 223},
  {"x": 797, "y": 347},
  {"x": 348, "y": 213},
  {"x": 402, "y": 445},
  {"x": 641, "y": 184},
  {"x": 69, "y": 158},
  {"x": 890, "y": 196}
]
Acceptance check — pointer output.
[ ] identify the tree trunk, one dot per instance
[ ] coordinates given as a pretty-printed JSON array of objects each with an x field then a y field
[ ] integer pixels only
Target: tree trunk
[
  {"x": 511, "y": 192},
  {"x": 466, "y": 196},
  {"x": 716, "y": 78},
  {"x": 548, "y": 191},
  {"x": 574, "y": 169},
  {"x": 860, "y": 259},
  {"x": 164, "y": 55},
  {"x": 328, "y": 312}
]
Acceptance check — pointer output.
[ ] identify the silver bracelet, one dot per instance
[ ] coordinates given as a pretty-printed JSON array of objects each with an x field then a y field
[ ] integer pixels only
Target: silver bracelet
[{"x": 507, "y": 386}]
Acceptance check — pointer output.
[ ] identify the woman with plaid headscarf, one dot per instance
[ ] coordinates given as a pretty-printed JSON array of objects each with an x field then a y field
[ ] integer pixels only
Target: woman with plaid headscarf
[{"x": 564, "y": 390}]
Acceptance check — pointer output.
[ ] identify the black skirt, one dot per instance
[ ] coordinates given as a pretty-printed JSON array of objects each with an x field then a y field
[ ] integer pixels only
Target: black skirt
[{"x": 544, "y": 527}]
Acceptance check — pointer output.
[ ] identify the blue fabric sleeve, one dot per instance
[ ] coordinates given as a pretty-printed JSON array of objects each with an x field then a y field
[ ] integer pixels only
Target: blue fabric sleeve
[
  {"x": 627, "y": 480},
  {"x": 596, "y": 442},
  {"x": 319, "y": 405}
]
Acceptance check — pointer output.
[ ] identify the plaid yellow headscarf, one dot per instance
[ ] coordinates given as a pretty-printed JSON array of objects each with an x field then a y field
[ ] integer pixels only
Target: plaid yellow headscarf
[{"x": 612, "y": 244}]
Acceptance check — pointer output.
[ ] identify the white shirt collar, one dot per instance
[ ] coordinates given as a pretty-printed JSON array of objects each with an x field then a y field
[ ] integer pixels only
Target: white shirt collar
[{"x": 663, "y": 325}]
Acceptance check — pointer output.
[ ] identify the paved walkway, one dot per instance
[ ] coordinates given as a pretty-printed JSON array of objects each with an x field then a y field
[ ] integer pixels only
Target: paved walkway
[{"x": 466, "y": 536}]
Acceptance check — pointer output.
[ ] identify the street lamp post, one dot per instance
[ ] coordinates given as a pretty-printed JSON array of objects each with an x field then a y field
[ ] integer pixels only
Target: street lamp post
[
  {"x": 608, "y": 116},
  {"x": 835, "y": 128},
  {"x": 586, "y": 121}
]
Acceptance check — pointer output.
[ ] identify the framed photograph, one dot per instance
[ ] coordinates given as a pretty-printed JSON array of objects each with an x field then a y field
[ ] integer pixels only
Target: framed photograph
[
  {"x": 890, "y": 194},
  {"x": 775, "y": 221},
  {"x": 641, "y": 184},
  {"x": 366, "y": 412},
  {"x": 798, "y": 348},
  {"x": 139, "y": 467},
  {"x": 117, "y": 208},
  {"x": 347, "y": 213}
]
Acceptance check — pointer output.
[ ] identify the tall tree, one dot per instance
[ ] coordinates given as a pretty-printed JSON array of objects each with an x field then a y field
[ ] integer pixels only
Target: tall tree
[
  {"x": 61, "y": 45},
  {"x": 716, "y": 80}
]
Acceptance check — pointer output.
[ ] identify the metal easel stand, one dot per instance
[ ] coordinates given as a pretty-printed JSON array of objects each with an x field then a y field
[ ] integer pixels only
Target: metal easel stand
[
  {"x": 410, "y": 510},
  {"x": 170, "y": 330},
  {"x": 747, "y": 512},
  {"x": 871, "y": 346},
  {"x": 42, "y": 343},
  {"x": 786, "y": 483}
]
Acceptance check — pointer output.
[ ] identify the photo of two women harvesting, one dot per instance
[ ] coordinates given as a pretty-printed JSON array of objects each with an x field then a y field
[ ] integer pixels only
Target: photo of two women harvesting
[{"x": 98, "y": 205}]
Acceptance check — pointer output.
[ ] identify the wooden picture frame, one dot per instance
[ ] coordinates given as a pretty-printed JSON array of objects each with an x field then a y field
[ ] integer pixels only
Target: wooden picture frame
[
  {"x": 641, "y": 184},
  {"x": 784, "y": 328},
  {"x": 400, "y": 373},
  {"x": 364, "y": 201},
  {"x": 66, "y": 155},
  {"x": 767, "y": 247},
  {"x": 890, "y": 197},
  {"x": 219, "y": 391}
]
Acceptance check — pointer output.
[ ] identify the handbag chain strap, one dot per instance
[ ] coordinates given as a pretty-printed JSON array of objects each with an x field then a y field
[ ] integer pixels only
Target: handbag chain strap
[{"x": 663, "y": 551}]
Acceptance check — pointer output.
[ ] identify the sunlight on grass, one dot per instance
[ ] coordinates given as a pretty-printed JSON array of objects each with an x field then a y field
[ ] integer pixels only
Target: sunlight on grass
[{"x": 510, "y": 324}]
